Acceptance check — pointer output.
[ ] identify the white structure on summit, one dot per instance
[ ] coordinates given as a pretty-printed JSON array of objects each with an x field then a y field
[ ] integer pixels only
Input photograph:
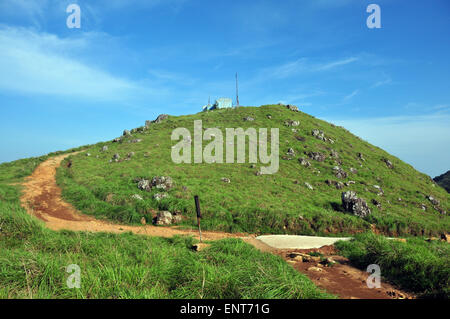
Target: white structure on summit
[{"x": 221, "y": 103}]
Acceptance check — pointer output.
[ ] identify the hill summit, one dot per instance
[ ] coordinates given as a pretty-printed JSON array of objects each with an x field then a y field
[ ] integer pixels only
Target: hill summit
[
  {"x": 443, "y": 180},
  {"x": 328, "y": 180}
]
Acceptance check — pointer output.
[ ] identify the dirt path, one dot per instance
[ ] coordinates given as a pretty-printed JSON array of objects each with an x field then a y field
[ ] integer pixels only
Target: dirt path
[{"x": 42, "y": 199}]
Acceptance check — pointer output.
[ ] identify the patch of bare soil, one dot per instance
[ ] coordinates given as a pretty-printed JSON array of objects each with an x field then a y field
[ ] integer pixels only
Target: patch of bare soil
[{"x": 42, "y": 198}]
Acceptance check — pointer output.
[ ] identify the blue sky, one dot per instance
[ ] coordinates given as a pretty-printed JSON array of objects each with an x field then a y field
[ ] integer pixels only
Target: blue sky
[{"x": 132, "y": 60}]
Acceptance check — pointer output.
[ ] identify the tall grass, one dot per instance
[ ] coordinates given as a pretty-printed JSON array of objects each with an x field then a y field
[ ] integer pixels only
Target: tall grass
[{"x": 417, "y": 265}]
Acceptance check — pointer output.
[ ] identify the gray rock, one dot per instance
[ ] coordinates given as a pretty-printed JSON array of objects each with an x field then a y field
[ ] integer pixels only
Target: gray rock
[
  {"x": 353, "y": 170},
  {"x": 104, "y": 148},
  {"x": 225, "y": 180},
  {"x": 290, "y": 152},
  {"x": 161, "y": 118},
  {"x": 145, "y": 185},
  {"x": 317, "y": 156},
  {"x": 354, "y": 205},
  {"x": 88, "y": 154},
  {"x": 388, "y": 163},
  {"x": 361, "y": 157},
  {"x": 117, "y": 140},
  {"x": 164, "y": 218},
  {"x": 309, "y": 186},
  {"x": 318, "y": 134},
  {"x": 126, "y": 133},
  {"x": 304, "y": 162},
  {"x": 162, "y": 182},
  {"x": 116, "y": 157},
  {"x": 433, "y": 200},
  {"x": 339, "y": 172},
  {"x": 136, "y": 140},
  {"x": 148, "y": 123},
  {"x": 130, "y": 155},
  {"x": 291, "y": 123},
  {"x": 249, "y": 119},
  {"x": 292, "y": 107},
  {"x": 137, "y": 197},
  {"x": 334, "y": 154}
]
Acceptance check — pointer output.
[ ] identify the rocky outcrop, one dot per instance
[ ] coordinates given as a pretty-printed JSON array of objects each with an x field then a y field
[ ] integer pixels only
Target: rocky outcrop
[
  {"x": 354, "y": 205},
  {"x": 339, "y": 172},
  {"x": 317, "y": 156},
  {"x": 291, "y": 123}
]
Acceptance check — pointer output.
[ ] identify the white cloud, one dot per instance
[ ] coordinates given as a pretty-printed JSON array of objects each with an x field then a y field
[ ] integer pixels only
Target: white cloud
[
  {"x": 42, "y": 63},
  {"x": 421, "y": 141},
  {"x": 337, "y": 63},
  {"x": 350, "y": 96}
]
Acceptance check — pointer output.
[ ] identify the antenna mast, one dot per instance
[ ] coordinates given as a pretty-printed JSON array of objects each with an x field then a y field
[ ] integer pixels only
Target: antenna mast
[{"x": 237, "y": 91}]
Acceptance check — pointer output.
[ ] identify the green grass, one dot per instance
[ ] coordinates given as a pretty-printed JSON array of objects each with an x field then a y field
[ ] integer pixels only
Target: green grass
[
  {"x": 33, "y": 261},
  {"x": 256, "y": 204},
  {"x": 417, "y": 265}
]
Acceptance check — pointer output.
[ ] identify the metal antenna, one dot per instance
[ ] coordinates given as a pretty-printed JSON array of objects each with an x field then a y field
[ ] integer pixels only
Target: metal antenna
[{"x": 237, "y": 90}]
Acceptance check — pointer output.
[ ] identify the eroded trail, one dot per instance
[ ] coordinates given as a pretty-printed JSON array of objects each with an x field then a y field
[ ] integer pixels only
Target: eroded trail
[{"x": 42, "y": 199}]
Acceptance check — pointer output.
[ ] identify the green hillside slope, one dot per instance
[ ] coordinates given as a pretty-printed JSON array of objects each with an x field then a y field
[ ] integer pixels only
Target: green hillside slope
[{"x": 397, "y": 194}]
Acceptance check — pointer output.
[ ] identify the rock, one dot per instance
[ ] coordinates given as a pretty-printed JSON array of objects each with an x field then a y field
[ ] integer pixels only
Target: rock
[
  {"x": 200, "y": 246},
  {"x": 249, "y": 119},
  {"x": 304, "y": 162},
  {"x": 225, "y": 180},
  {"x": 161, "y": 118},
  {"x": 253, "y": 166},
  {"x": 338, "y": 185},
  {"x": 137, "y": 197},
  {"x": 162, "y": 182},
  {"x": 334, "y": 154},
  {"x": 290, "y": 152},
  {"x": 164, "y": 218},
  {"x": 317, "y": 156},
  {"x": 159, "y": 196},
  {"x": 291, "y": 123},
  {"x": 309, "y": 186},
  {"x": 148, "y": 123},
  {"x": 136, "y": 140},
  {"x": 360, "y": 156},
  {"x": 353, "y": 170},
  {"x": 300, "y": 138},
  {"x": 318, "y": 134},
  {"x": 116, "y": 157},
  {"x": 88, "y": 154},
  {"x": 143, "y": 221},
  {"x": 388, "y": 163},
  {"x": 292, "y": 107},
  {"x": 130, "y": 155},
  {"x": 354, "y": 205},
  {"x": 269, "y": 116},
  {"x": 339, "y": 172},
  {"x": 126, "y": 133},
  {"x": 433, "y": 200},
  {"x": 258, "y": 173},
  {"x": 423, "y": 207},
  {"x": 109, "y": 198},
  {"x": 144, "y": 184},
  {"x": 104, "y": 148},
  {"x": 176, "y": 218},
  {"x": 117, "y": 140},
  {"x": 315, "y": 269},
  {"x": 379, "y": 190}
]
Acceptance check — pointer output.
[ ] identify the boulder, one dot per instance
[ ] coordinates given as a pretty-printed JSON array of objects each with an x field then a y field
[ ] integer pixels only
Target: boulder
[
  {"x": 144, "y": 184},
  {"x": 354, "y": 205},
  {"x": 361, "y": 157},
  {"x": 433, "y": 200},
  {"x": 317, "y": 156},
  {"x": 339, "y": 172},
  {"x": 291, "y": 123},
  {"x": 104, "y": 148},
  {"x": 161, "y": 118},
  {"x": 318, "y": 134},
  {"x": 148, "y": 124},
  {"x": 164, "y": 218},
  {"x": 116, "y": 157},
  {"x": 292, "y": 108},
  {"x": 162, "y": 182},
  {"x": 290, "y": 152},
  {"x": 126, "y": 133},
  {"x": 249, "y": 119},
  {"x": 388, "y": 163},
  {"x": 225, "y": 180},
  {"x": 136, "y": 140},
  {"x": 304, "y": 162}
]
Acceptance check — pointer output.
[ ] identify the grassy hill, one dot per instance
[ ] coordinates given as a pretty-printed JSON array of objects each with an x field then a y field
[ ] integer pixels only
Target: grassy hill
[
  {"x": 443, "y": 180},
  {"x": 278, "y": 203}
]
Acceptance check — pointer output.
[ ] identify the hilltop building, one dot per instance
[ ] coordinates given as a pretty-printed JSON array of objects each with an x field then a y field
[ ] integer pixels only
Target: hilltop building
[{"x": 221, "y": 103}]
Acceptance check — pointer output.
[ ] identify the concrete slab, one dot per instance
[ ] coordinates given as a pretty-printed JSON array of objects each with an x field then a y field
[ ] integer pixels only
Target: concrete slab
[{"x": 298, "y": 242}]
